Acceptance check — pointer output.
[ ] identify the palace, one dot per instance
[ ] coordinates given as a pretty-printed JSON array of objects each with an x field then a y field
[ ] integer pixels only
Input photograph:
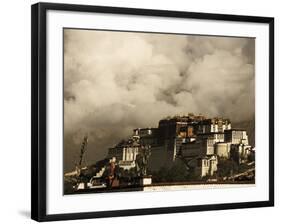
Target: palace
[{"x": 197, "y": 140}]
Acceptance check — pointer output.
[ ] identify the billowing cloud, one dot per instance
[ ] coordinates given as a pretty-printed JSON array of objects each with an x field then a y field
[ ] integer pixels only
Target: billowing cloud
[{"x": 118, "y": 81}]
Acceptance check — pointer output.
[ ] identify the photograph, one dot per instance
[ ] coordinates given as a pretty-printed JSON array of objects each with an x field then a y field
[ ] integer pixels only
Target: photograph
[{"x": 147, "y": 111}]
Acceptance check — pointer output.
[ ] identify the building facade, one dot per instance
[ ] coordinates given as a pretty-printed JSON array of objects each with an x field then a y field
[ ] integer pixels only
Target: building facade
[{"x": 188, "y": 137}]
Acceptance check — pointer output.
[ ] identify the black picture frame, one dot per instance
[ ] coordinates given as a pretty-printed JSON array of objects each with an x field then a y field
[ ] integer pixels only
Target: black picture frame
[{"x": 39, "y": 107}]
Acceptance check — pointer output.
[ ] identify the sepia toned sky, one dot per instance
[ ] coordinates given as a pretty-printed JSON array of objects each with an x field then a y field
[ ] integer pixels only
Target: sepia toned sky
[{"x": 117, "y": 81}]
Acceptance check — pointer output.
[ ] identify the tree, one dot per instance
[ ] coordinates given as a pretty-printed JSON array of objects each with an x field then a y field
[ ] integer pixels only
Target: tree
[
  {"x": 176, "y": 173},
  {"x": 227, "y": 167}
]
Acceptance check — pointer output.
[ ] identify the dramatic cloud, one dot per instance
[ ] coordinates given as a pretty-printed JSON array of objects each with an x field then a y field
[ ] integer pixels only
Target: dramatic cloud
[{"x": 118, "y": 81}]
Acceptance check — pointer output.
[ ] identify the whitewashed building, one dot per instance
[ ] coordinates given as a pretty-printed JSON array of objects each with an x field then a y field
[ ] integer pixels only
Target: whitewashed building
[
  {"x": 126, "y": 152},
  {"x": 206, "y": 166},
  {"x": 222, "y": 149},
  {"x": 213, "y": 125},
  {"x": 236, "y": 136}
]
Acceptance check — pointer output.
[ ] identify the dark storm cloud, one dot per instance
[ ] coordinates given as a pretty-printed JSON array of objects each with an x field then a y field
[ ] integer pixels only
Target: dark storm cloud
[{"x": 117, "y": 81}]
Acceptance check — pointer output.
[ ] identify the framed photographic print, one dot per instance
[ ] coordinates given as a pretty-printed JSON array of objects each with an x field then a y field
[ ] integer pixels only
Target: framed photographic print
[{"x": 140, "y": 111}]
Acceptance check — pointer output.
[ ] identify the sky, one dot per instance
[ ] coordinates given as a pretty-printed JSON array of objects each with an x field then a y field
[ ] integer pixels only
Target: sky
[{"x": 117, "y": 81}]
